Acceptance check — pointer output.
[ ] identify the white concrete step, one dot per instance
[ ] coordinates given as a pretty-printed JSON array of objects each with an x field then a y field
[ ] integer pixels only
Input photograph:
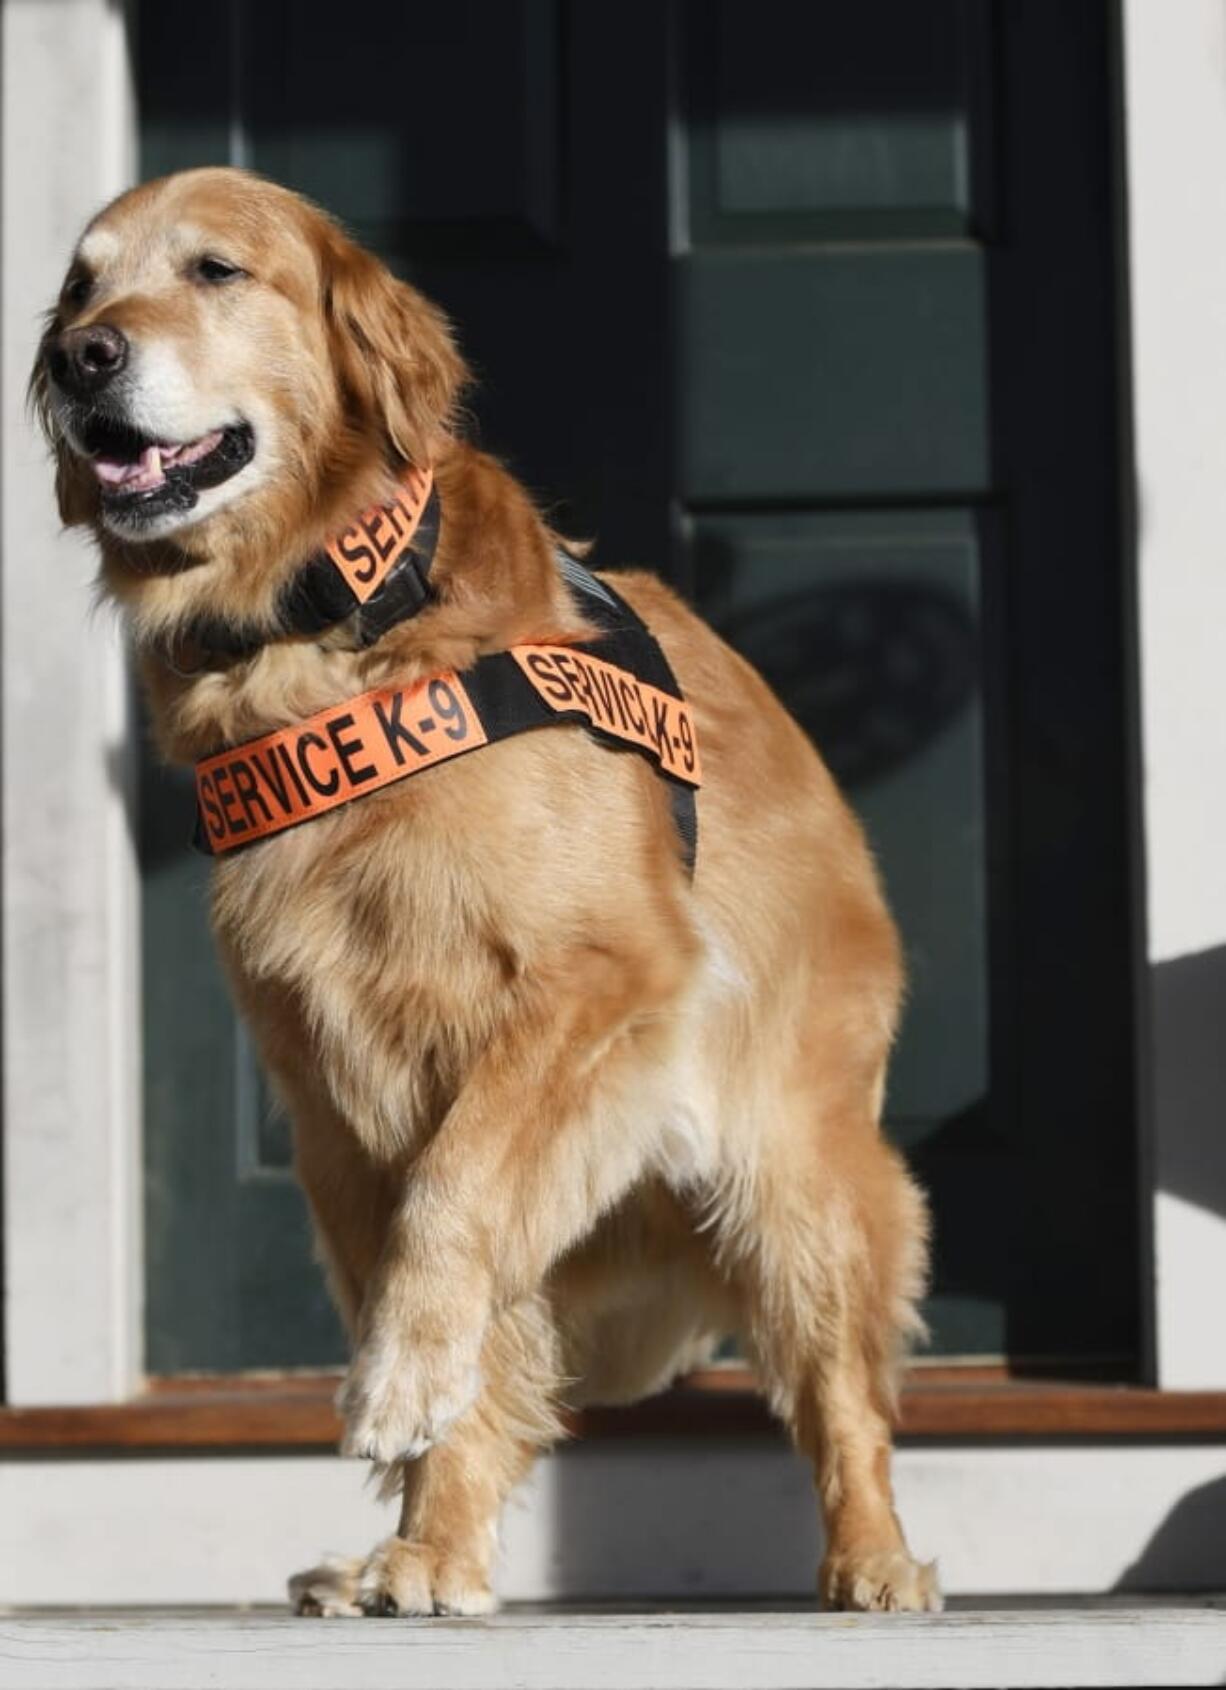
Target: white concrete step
[{"x": 1107, "y": 1643}]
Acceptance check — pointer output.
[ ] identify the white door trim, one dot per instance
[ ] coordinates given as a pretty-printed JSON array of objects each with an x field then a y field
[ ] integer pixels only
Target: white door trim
[
  {"x": 68, "y": 873},
  {"x": 1175, "y": 126}
]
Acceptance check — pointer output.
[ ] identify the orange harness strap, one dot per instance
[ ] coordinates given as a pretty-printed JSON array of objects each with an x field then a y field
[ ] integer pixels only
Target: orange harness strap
[{"x": 354, "y": 748}]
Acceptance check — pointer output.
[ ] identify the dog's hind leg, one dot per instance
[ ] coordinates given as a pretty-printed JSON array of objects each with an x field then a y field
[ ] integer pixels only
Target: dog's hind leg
[
  {"x": 439, "y": 1560},
  {"x": 827, "y": 1246}
]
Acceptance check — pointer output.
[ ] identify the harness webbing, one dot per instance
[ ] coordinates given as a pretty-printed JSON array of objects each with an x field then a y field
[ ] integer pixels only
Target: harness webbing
[
  {"x": 625, "y": 631},
  {"x": 618, "y": 686}
]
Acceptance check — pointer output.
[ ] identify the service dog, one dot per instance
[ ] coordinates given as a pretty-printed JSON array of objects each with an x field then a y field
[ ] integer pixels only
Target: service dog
[{"x": 567, "y": 958}]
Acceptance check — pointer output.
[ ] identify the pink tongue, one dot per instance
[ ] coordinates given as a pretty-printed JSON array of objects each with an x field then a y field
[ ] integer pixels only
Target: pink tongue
[
  {"x": 147, "y": 472},
  {"x": 140, "y": 477}
]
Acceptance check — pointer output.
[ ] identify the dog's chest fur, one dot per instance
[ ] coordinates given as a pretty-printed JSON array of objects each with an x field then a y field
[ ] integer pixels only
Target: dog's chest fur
[
  {"x": 400, "y": 933},
  {"x": 385, "y": 956}
]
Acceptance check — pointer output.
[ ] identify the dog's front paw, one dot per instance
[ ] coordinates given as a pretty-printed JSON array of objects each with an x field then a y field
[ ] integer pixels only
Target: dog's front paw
[
  {"x": 329, "y": 1591},
  {"x": 410, "y": 1579},
  {"x": 880, "y": 1581},
  {"x": 401, "y": 1394}
]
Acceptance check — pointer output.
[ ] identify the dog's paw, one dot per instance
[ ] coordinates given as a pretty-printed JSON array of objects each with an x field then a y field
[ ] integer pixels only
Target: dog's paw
[
  {"x": 329, "y": 1591},
  {"x": 882, "y": 1581},
  {"x": 400, "y": 1397},
  {"x": 408, "y": 1579},
  {"x": 412, "y": 1578}
]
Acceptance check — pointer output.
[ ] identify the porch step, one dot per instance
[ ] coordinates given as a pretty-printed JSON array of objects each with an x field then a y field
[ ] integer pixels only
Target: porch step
[{"x": 1117, "y": 1644}]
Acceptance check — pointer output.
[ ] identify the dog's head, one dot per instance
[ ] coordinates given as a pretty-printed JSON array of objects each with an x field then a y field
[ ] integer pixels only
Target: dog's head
[{"x": 220, "y": 346}]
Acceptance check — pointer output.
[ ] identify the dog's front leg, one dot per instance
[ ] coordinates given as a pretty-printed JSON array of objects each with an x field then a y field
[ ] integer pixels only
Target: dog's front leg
[{"x": 555, "y": 1123}]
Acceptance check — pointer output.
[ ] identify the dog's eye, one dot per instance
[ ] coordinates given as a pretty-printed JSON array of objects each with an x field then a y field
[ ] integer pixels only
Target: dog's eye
[
  {"x": 78, "y": 287},
  {"x": 212, "y": 269}
]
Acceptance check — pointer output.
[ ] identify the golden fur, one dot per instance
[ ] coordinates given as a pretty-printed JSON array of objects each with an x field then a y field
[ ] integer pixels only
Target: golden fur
[{"x": 564, "y": 1120}]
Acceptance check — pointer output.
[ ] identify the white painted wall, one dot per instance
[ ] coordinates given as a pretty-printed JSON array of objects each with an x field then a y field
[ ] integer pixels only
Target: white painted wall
[
  {"x": 67, "y": 874},
  {"x": 1175, "y": 114}
]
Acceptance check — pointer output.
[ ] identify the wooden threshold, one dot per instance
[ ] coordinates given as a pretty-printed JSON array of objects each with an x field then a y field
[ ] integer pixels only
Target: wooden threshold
[{"x": 295, "y": 1412}]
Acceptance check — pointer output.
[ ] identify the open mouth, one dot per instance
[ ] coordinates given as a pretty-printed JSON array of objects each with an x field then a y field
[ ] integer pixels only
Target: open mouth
[{"x": 147, "y": 478}]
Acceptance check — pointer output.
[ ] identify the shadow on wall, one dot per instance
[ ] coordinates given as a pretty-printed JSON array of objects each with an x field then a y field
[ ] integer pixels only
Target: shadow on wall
[
  {"x": 1188, "y": 1550},
  {"x": 1188, "y": 1003},
  {"x": 1188, "y": 999}
]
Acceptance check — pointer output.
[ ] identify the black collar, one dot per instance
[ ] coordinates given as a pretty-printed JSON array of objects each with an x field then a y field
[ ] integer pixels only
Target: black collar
[{"x": 393, "y": 545}]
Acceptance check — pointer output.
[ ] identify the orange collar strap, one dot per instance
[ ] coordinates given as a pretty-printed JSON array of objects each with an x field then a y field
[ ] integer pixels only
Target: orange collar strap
[
  {"x": 376, "y": 571},
  {"x": 365, "y": 553}
]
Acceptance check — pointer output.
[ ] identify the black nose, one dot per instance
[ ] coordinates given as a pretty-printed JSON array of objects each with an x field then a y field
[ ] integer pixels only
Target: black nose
[{"x": 82, "y": 361}]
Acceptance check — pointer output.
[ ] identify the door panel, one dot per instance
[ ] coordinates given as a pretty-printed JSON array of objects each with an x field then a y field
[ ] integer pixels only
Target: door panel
[
  {"x": 810, "y": 308},
  {"x": 839, "y": 375},
  {"x": 880, "y": 345},
  {"x": 864, "y": 119},
  {"x": 350, "y": 138}
]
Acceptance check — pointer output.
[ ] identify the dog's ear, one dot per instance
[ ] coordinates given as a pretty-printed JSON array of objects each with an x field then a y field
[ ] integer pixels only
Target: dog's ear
[
  {"x": 393, "y": 350},
  {"x": 74, "y": 485}
]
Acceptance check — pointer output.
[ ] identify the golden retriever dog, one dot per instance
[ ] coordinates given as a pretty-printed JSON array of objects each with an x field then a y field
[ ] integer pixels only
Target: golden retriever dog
[{"x": 566, "y": 1114}]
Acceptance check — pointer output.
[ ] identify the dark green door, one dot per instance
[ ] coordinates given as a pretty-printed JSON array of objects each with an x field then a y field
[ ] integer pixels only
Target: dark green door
[{"x": 810, "y": 307}]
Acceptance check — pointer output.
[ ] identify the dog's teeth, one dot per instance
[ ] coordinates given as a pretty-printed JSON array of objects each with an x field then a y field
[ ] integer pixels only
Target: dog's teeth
[
  {"x": 201, "y": 448},
  {"x": 140, "y": 476},
  {"x": 148, "y": 472}
]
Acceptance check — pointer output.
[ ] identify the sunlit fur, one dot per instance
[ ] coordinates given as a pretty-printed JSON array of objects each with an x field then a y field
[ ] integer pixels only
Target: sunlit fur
[{"x": 564, "y": 1120}]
